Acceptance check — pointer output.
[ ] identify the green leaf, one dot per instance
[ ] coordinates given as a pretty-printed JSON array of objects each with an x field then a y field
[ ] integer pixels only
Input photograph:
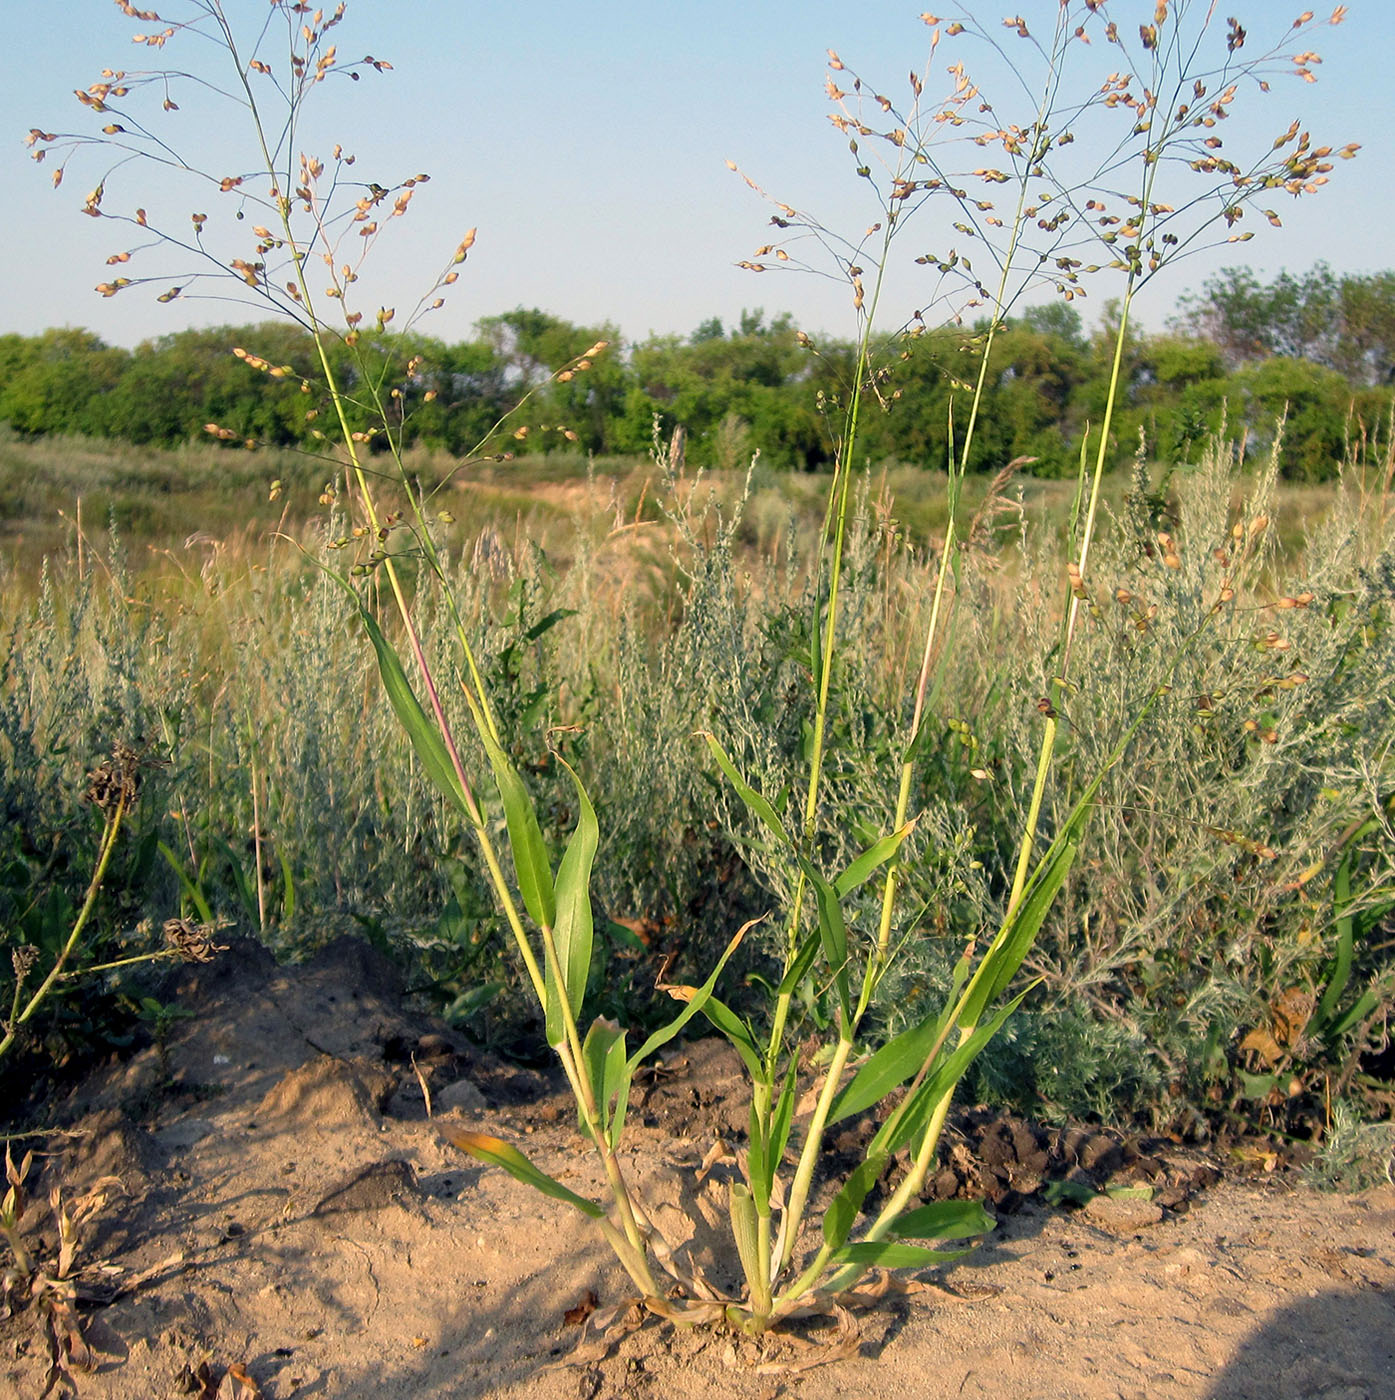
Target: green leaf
[
  {"x": 1014, "y": 940},
  {"x": 944, "y": 1220},
  {"x": 896, "y": 1062},
  {"x": 1339, "y": 971},
  {"x": 423, "y": 734},
  {"x": 573, "y": 931},
  {"x": 194, "y": 893},
  {"x": 757, "y": 1161},
  {"x": 916, "y": 1109},
  {"x": 502, "y": 1154},
  {"x": 529, "y": 851},
  {"x": 625, "y": 937},
  {"x": 889, "y": 1254},
  {"x": 755, "y": 803},
  {"x": 603, "y": 1054},
  {"x": 798, "y": 970},
  {"x": 245, "y": 894},
  {"x": 1074, "y": 1192},
  {"x": 287, "y": 888},
  {"x": 842, "y": 1214},
  {"x": 1357, "y": 1012},
  {"x": 738, "y": 1033},
  {"x": 867, "y": 864},
  {"x": 695, "y": 999},
  {"x": 783, "y": 1119},
  {"x": 833, "y": 935},
  {"x": 548, "y": 623}
]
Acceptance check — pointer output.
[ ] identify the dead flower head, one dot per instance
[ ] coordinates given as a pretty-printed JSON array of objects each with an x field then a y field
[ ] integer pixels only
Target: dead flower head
[
  {"x": 116, "y": 780},
  {"x": 194, "y": 942}
]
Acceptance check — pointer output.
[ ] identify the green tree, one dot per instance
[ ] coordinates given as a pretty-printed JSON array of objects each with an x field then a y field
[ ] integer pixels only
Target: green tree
[{"x": 59, "y": 382}]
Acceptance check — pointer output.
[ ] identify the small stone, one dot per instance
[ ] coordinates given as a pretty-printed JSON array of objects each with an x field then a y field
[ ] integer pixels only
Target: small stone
[{"x": 461, "y": 1094}]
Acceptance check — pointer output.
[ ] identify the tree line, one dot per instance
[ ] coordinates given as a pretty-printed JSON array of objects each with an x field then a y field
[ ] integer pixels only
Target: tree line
[{"x": 1317, "y": 350}]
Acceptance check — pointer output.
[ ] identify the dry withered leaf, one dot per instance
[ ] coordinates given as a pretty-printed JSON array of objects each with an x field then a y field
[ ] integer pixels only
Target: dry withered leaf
[
  {"x": 576, "y": 1317},
  {"x": 845, "y": 1343},
  {"x": 68, "y": 1351}
]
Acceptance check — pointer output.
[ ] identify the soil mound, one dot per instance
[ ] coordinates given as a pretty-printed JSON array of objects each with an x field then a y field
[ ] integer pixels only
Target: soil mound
[{"x": 290, "y": 1222}]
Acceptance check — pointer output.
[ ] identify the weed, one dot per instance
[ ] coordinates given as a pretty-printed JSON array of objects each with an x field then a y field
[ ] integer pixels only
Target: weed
[
  {"x": 1355, "y": 1155},
  {"x": 48, "y": 1284},
  {"x": 822, "y": 775}
]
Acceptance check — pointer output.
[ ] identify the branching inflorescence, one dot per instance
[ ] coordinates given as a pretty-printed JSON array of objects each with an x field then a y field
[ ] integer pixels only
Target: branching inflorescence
[{"x": 1126, "y": 178}]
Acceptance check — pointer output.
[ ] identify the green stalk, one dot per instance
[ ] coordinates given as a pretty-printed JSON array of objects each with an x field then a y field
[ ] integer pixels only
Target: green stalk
[
  {"x": 104, "y": 854},
  {"x": 954, "y": 487},
  {"x": 570, "y": 1052},
  {"x": 808, "y": 1157}
]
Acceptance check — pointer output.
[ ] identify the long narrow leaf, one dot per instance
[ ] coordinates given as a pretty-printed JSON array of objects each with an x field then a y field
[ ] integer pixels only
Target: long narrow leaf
[
  {"x": 896, "y": 1062},
  {"x": 833, "y": 934},
  {"x": 531, "y": 865},
  {"x": 918, "y": 1107},
  {"x": 423, "y": 735},
  {"x": 799, "y": 968},
  {"x": 944, "y": 1220},
  {"x": 1339, "y": 971},
  {"x": 695, "y": 999},
  {"x": 842, "y": 1214},
  {"x": 603, "y": 1054},
  {"x": 738, "y": 1033},
  {"x": 574, "y": 929},
  {"x": 871, "y": 860},
  {"x": 783, "y": 1119},
  {"x": 194, "y": 893},
  {"x": 759, "y": 806},
  {"x": 1015, "y": 939},
  {"x": 890, "y": 1254},
  {"x": 502, "y": 1154}
]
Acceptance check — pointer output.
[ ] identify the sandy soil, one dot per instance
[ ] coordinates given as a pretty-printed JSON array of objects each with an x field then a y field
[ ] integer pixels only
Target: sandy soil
[{"x": 290, "y": 1223}]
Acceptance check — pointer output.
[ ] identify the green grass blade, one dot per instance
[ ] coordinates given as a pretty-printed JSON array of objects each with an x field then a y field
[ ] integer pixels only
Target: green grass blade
[
  {"x": 944, "y": 1220},
  {"x": 695, "y": 999},
  {"x": 738, "y": 1033},
  {"x": 918, "y": 1107},
  {"x": 531, "y": 865},
  {"x": 842, "y": 1214},
  {"x": 799, "y": 968},
  {"x": 603, "y": 1054},
  {"x": 756, "y": 804},
  {"x": 783, "y": 1119},
  {"x": 890, "y": 1254},
  {"x": 287, "y": 888},
  {"x": 897, "y": 1061},
  {"x": 502, "y": 1154},
  {"x": 833, "y": 936},
  {"x": 1339, "y": 973},
  {"x": 573, "y": 932},
  {"x": 423, "y": 735},
  {"x": 871, "y": 860},
  {"x": 1014, "y": 940},
  {"x": 246, "y": 895},
  {"x": 194, "y": 893}
]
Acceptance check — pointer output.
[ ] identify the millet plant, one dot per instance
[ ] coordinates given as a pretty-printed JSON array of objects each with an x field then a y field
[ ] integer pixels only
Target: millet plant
[{"x": 292, "y": 230}]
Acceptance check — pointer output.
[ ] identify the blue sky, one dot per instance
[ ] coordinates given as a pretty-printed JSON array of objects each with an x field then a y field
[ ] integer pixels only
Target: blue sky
[{"x": 588, "y": 144}]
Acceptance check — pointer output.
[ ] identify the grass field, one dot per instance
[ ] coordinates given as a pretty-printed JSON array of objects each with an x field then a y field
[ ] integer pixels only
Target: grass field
[{"x": 1222, "y": 944}]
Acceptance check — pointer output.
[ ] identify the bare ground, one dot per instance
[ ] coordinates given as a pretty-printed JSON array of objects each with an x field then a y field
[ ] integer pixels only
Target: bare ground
[{"x": 290, "y": 1223}]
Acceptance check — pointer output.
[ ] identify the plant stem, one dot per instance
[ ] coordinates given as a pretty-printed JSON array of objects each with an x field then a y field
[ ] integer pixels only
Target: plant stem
[
  {"x": 813, "y": 1143},
  {"x": 104, "y": 853}
]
